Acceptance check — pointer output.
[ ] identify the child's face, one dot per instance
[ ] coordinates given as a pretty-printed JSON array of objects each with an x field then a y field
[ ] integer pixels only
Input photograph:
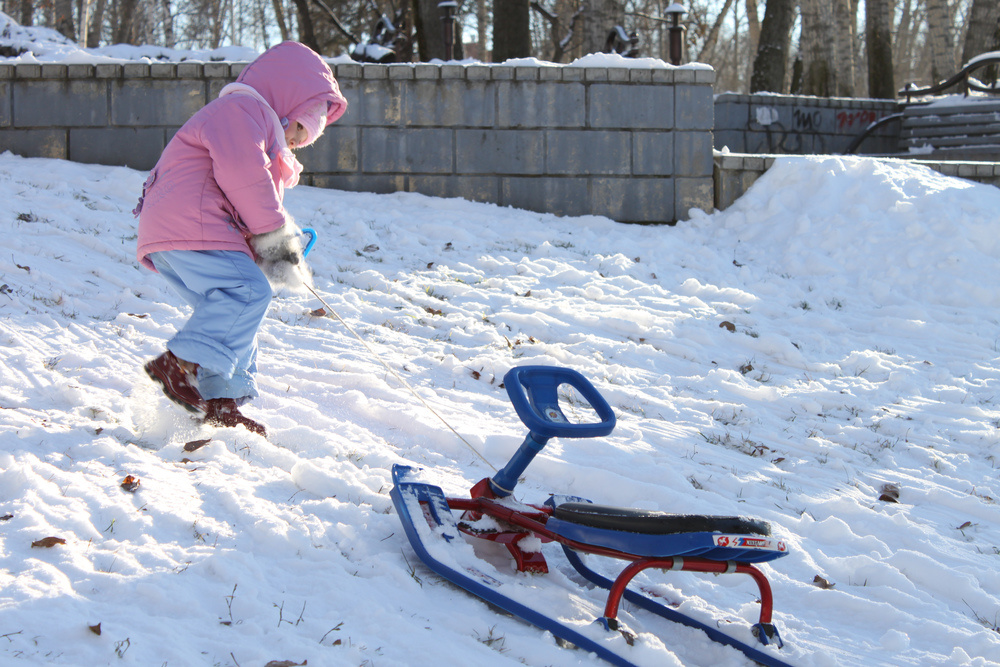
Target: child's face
[{"x": 295, "y": 135}]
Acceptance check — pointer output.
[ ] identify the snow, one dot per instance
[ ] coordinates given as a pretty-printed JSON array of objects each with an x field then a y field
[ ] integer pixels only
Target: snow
[
  {"x": 835, "y": 331},
  {"x": 865, "y": 314}
]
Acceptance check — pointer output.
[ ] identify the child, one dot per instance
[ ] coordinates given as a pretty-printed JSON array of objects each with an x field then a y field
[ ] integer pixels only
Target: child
[{"x": 212, "y": 223}]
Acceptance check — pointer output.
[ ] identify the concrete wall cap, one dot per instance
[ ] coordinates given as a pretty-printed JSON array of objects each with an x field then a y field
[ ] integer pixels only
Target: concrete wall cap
[
  {"x": 109, "y": 71},
  {"x": 397, "y": 72},
  {"x": 54, "y": 71},
  {"x": 163, "y": 70},
  {"x": 425, "y": 71},
  {"x": 135, "y": 70},
  {"x": 29, "y": 71},
  {"x": 348, "y": 71},
  {"x": 80, "y": 71},
  {"x": 373, "y": 71}
]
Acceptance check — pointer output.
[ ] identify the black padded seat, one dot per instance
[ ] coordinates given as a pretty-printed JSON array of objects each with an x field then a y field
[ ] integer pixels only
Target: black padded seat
[{"x": 656, "y": 523}]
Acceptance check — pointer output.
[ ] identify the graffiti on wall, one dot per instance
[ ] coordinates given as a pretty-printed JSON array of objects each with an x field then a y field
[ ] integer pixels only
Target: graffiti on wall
[{"x": 805, "y": 129}]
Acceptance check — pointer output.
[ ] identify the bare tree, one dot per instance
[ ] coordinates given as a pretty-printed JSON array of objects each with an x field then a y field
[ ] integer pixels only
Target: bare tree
[
  {"x": 942, "y": 40},
  {"x": 279, "y": 17},
  {"x": 560, "y": 35},
  {"x": 844, "y": 38},
  {"x": 26, "y": 12},
  {"x": 125, "y": 30},
  {"x": 817, "y": 48},
  {"x": 771, "y": 64},
  {"x": 984, "y": 29},
  {"x": 96, "y": 21},
  {"x": 707, "y": 52},
  {"x": 878, "y": 41},
  {"x": 169, "y": 40},
  {"x": 511, "y": 29},
  {"x": 599, "y": 18},
  {"x": 430, "y": 35},
  {"x": 753, "y": 33}
]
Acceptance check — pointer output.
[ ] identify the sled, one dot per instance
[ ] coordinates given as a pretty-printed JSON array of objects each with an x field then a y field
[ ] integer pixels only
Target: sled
[{"x": 643, "y": 540}]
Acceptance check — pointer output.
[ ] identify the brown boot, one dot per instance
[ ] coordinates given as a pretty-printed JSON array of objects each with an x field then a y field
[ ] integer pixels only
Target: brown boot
[
  {"x": 225, "y": 412},
  {"x": 177, "y": 380}
]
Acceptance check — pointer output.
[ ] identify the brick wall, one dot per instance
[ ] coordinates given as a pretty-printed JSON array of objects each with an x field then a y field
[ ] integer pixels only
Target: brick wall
[{"x": 631, "y": 144}]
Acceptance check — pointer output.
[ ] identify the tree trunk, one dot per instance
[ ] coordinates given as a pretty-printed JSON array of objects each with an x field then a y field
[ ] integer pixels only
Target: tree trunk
[
  {"x": 26, "y": 9},
  {"x": 168, "y": 25},
  {"x": 941, "y": 38},
  {"x": 279, "y": 16},
  {"x": 307, "y": 35},
  {"x": 600, "y": 18},
  {"x": 771, "y": 63},
  {"x": 708, "y": 48},
  {"x": 816, "y": 45},
  {"x": 878, "y": 40},
  {"x": 511, "y": 29},
  {"x": 984, "y": 29},
  {"x": 63, "y": 18},
  {"x": 753, "y": 33},
  {"x": 430, "y": 32},
  {"x": 429, "y": 27},
  {"x": 96, "y": 21},
  {"x": 845, "y": 17},
  {"x": 482, "y": 34},
  {"x": 124, "y": 32}
]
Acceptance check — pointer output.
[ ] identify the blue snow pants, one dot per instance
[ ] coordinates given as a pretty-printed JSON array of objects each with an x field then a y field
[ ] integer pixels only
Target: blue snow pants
[{"x": 230, "y": 296}]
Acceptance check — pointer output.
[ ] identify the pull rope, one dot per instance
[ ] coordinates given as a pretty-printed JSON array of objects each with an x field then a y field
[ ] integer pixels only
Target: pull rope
[{"x": 396, "y": 375}]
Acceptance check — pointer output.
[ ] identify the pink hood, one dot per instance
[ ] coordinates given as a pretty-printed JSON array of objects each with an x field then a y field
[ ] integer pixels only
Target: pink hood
[
  {"x": 284, "y": 72},
  {"x": 219, "y": 180}
]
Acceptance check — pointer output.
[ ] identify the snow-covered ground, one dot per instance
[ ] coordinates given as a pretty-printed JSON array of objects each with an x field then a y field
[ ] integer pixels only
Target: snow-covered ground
[
  {"x": 835, "y": 331},
  {"x": 861, "y": 350}
]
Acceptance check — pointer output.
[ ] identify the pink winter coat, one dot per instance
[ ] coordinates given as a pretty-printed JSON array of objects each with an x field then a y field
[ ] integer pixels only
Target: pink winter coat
[{"x": 219, "y": 180}]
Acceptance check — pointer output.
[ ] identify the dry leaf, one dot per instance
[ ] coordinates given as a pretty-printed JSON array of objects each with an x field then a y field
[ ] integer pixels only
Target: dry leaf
[
  {"x": 822, "y": 583},
  {"x": 195, "y": 445},
  {"x": 96, "y": 629},
  {"x": 964, "y": 525},
  {"x": 433, "y": 311},
  {"x": 286, "y": 663},
  {"x": 141, "y": 316},
  {"x": 48, "y": 542},
  {"x": 746, "y": 368},
  {"x": 130, "y": 483},
  {"x": 319, "y": 312},
  {"x": 728, "y": 326},
  {"x": 528, "y": 293},
  {"x": 371, "y": 247},
  {"x": 430, "y": 264},
  {"x": 476, "y": 375},
  {"x": 890, "y": 493},
  {"x": 6, "y": 517}
]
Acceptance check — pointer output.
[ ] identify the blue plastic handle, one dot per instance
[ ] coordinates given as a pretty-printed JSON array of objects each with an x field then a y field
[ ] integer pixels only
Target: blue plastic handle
[
  {"x": 312, "y": 240},
  {"x": 533, "y": 391}
]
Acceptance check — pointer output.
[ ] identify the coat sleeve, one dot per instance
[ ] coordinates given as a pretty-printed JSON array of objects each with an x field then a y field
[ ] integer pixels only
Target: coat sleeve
[{"x": 237, "y": 143}]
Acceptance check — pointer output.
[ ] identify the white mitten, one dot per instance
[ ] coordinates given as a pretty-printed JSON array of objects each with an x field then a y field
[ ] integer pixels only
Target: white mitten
[{"x": 279, "y": 255}]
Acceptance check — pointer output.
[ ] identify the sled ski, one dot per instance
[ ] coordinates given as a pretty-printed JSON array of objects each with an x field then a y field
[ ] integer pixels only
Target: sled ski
[{"x": 435, "y": 526}]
